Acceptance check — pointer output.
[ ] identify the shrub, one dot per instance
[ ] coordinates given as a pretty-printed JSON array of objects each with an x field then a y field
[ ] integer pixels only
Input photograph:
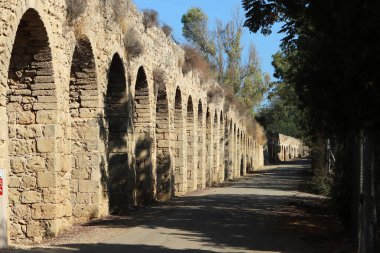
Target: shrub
[
  {"x": 132, "y": 45},
  {"x": 159, "y": 79},
  {"x": 150, "y": 18},
  {"x": 75, "y": 8},
  {"x": 214, "y": 93},
  {"x": 119, "y": 8},
  {"x": 195, "y": 60},
  {"x": 167, "y": 30}
]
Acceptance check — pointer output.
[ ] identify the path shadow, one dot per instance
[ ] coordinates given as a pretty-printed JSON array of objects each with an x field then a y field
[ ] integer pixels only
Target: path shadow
[{"x": 246, "y": 218}]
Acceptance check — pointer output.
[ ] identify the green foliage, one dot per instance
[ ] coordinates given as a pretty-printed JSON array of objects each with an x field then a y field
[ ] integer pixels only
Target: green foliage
[
  {"x": 283, "y": 114},
  {"x": 332, "y": 47},
  {"x": 195, "y": 30},
  {"x": 223, "y": 50}
]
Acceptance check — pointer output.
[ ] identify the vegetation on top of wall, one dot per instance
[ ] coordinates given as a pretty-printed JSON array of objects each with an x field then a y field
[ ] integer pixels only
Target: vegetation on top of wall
[
  {"x": 132, "y": 44},
  {"x": 167, "y": 30},
  {"x": 194, "y": 60},
  {"x": 120, "y": 9},
  {"x": 159, "y": 78},
  {"x": 242, "y": 83},
  {"x": 150, "y": 18},
  {"x": 74, "y": 9}
]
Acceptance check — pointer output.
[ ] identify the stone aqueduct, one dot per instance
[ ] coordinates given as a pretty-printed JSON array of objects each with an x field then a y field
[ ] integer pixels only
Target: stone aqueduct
[{"x": 86, "y": 131}]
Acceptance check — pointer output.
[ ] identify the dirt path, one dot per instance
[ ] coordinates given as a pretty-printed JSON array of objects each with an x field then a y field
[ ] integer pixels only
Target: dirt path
[{"x": 263, "y": 212}]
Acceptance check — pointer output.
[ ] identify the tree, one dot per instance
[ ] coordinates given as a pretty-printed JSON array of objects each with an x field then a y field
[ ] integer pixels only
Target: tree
[
  {"x": 283, "y": 114},
  {"x": 223, "y": 49},
  {"x": 195, "y": 30},
  {"x": 333, "y": 50}
]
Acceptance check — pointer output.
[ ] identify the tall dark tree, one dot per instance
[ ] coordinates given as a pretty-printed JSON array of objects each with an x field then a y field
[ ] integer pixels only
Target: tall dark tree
[{"x": 336, "y": 65}]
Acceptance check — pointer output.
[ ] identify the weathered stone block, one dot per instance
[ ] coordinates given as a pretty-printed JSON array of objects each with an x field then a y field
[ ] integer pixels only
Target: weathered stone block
[
  {"x": 88, "y": 186},
  {"x": 30, "y": 197},
  {"x": 46, "y": 145},
  {"x": 46, "y": 179},
  {"x": 35, "y": 229},
  {"x": 46, "y": 211}
]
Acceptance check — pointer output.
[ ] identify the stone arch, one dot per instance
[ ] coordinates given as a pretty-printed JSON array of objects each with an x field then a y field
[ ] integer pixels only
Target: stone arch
[
  {"x": 208, "y": 148},
  {"x": 120, "y": 177},
  {"x": 221, "y": 147},
  {"x": 143, "y": 141},
  {"x": 215, "y": 152},
  {"x": 190, "y": 147},
  {"x": 31, "y": 107},
  {"x": 85, "y": 132},
  {"x": 200, "y": 150},
  {"x": 234, "y": 151},
  {"x": 180, "y": 185},
  {"x": 239, "y": 153},
  {"x": 227, "y": 146},
  {"x": 164, "y": 169}
]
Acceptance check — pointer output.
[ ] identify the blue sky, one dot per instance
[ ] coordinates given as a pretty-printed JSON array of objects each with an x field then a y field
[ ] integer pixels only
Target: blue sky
[{"x": 171, "y": 11}]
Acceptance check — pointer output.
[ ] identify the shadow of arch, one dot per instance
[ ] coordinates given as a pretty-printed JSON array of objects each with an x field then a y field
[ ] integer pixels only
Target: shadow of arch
[
  {"x": 221, "y": 175},
  {"x": 208, "y": 148},
  {"x": 164, "y": 164},
  {"x": 227, "y": 147},
  {"x": 190, "y": 129},
  {"x": 214, "y": 172},
  {"x": 234, "y": 151},
  {"x": 31, "y": 108},
  {"x": 85, "y": 132},
  {"x": 120, "y": 180},
  {"x": 200, "y": 153},
  {"x": 143, "y": 141},
  {"x": 178, "y": 145}
]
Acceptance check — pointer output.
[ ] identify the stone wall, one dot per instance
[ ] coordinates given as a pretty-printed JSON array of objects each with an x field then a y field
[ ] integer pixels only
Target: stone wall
[
  {"x": 87, "y": 128},
  {"x": 284, "y": 148}
]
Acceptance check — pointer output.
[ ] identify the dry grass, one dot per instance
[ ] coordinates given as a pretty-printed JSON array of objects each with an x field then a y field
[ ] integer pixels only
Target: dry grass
[
  {"x": 120, "y": 9},
  {"x": 167, "y": 30},
  {"x": 214, "y": 93},
  {"x": 75, "y": 8},
  {"x": 195, "y": 60},
  {"x": 150, "y": 18},
  {"x": 159, "y": 78},
  {"x": 132, "y": 45},
  {"x": 79, "y": 29}
]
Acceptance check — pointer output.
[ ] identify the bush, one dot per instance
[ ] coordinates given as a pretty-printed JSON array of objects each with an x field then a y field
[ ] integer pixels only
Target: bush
[
  {"x": 167, "y": 30},
  {"x": 214, "y": 93},
  {"x": 159, "y": 79},
  {"x": 132, "y": 45},
  {"x": 195, "y": 60},
  {"x": 119, "y": 8},
  {"x": 150, "y": 18},
  {"x": 75, "y": 8}
]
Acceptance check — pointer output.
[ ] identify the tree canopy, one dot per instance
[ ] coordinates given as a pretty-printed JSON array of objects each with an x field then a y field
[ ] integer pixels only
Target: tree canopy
[
  {"x": 223, "y": 49},
  {"x": 334, "y": 53}
]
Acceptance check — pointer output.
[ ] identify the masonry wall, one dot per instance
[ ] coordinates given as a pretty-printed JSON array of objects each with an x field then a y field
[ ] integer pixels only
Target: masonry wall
[{"x": 88, "y": 130}]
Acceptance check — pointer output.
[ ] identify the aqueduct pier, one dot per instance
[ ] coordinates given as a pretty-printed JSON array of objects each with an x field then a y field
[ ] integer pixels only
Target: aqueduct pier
[{"x": 86, "y": 130}]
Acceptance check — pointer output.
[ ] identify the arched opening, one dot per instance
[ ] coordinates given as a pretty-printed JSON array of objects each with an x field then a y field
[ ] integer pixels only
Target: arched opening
[
  {"x": 200, "y": 150},
  {"x": 143, "y": 142},
  {"x": 180, "y": 185},
  {"x": 234, "y": 151},
  {"x": 191, "y": 172},
  {"x": 227, "y": 141},
  {"x": 208, "y": 148},
  {"x": 84, "y": 111},
  {"x": 221, "y": 148},
  {"x": 120, "y": 179},
  {"x": 164, "y": 173},
  {"x": 31, "y": 107},
  {"x": 215, "y": 153},
  {"x": 238, "y": 153}
]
